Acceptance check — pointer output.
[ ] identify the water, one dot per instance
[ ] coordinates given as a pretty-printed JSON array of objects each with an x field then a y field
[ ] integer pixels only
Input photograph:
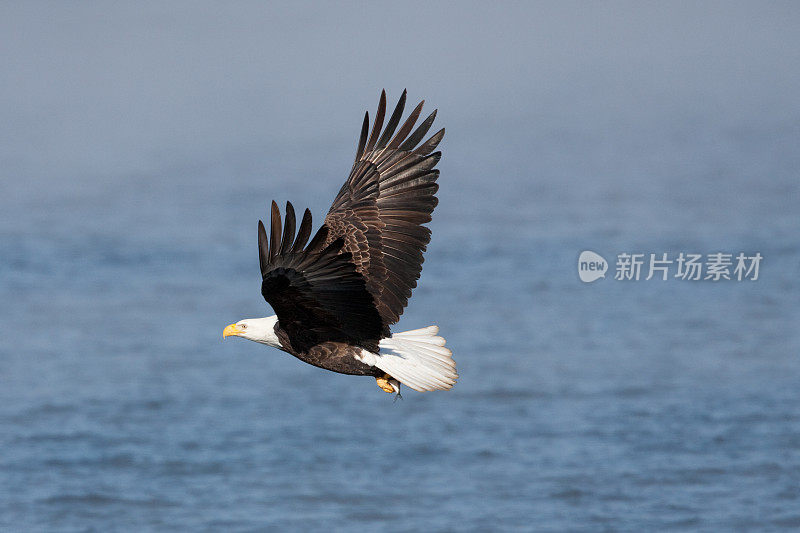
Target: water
[{"x": 606, "y": 406}]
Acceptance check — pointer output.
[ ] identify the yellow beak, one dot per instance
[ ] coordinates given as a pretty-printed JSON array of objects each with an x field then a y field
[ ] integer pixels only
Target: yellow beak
[{"x": 230, "y": 330}]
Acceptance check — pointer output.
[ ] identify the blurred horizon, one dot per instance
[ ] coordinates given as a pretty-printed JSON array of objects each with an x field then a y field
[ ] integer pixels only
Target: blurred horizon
[{"x": 132, "y": 89}]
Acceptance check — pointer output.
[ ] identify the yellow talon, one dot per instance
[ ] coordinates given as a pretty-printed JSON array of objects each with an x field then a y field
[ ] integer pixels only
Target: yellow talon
[{"x": 383, "y": 383}]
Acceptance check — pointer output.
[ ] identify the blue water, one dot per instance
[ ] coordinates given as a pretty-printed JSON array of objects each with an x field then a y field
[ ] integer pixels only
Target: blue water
[{"x": 630, "y": 406}]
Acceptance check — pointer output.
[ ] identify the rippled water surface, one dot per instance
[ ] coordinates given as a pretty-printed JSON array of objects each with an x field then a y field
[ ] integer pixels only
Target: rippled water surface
[{"x": 606, "y": 406}]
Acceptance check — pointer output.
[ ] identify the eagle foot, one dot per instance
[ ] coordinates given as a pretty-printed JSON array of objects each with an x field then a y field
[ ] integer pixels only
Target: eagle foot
[{"x": 385, "y": 384}]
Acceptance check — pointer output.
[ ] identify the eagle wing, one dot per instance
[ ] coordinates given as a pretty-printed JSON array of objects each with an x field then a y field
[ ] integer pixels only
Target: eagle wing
[
  {"x": 380, "y": 210},
  {"x": 315, "y": 289}
]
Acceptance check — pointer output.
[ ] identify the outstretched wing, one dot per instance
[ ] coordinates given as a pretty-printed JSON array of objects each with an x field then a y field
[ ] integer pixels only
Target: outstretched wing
[
  {"x": 315, "y": 290},
  {"x": 380, "y": 210}
]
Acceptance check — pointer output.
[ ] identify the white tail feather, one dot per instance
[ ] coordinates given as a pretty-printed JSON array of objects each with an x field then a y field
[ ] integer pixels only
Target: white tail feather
[{"x": 416, "y": 358}]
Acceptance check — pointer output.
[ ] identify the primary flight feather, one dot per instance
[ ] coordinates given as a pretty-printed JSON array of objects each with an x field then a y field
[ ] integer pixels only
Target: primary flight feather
[{"x": 336, "y": 295}]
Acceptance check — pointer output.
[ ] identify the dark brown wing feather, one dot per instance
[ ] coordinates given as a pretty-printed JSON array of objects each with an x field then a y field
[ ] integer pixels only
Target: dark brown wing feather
[
  {"x": 315, "y": 290},
  {"x": 380, "y": 210}
]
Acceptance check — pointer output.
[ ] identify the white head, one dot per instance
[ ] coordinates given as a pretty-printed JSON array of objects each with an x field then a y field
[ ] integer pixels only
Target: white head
[{"x": 256, "y": 329}]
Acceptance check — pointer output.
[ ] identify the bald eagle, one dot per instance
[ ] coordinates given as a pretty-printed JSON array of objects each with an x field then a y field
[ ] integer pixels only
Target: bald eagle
[{"x": 336, "y": 296}]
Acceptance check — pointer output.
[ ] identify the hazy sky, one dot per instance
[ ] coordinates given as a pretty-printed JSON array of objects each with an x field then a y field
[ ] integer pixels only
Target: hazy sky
[{"x": 92, "y": 89}]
